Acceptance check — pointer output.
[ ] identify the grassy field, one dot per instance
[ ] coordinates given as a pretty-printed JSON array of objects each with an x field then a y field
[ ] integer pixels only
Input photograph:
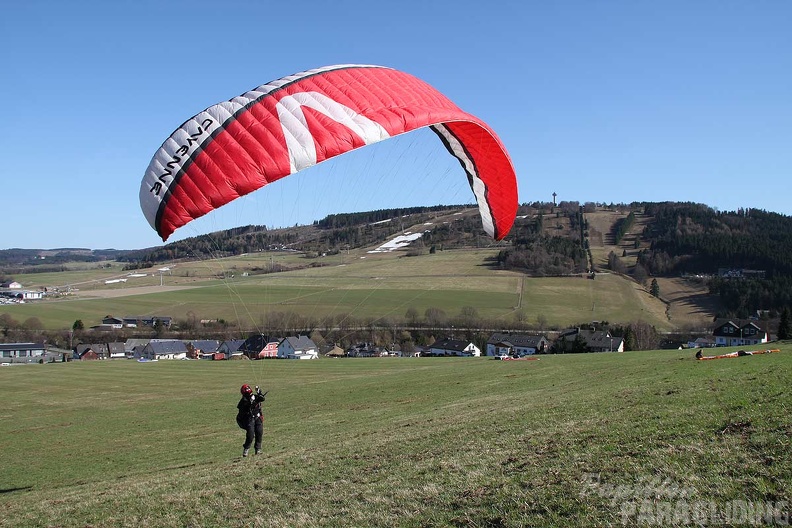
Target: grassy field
[
  {"x": 359, "y": 284},
  {"x": 569, "y": 440}
]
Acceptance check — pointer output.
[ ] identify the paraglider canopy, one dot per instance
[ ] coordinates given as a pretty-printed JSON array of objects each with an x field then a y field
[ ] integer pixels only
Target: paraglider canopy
[{"x": 238, "y": 146}]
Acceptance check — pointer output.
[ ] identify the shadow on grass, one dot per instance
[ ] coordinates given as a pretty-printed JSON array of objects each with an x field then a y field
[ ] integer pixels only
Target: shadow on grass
[{"x": 12, "y": 490}]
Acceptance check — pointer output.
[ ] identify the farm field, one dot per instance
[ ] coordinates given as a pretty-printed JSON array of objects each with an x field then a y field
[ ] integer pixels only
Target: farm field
[
  {"x": 361, "y": 285},
  {"x": 568, "y": 440}
]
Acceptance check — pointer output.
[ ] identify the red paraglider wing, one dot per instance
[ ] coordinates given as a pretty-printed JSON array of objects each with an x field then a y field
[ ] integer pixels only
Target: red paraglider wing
[{"x": 277, "y": 129}]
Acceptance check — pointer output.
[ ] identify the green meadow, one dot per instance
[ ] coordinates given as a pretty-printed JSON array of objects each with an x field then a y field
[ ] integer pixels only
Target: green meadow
[
  {"x": 360, "y": 285},
  {"x": 637, "y": 438}
]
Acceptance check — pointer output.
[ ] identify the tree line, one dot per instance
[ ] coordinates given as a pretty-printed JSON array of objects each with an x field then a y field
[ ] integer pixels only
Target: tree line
[{"x": 407, "y": 332}]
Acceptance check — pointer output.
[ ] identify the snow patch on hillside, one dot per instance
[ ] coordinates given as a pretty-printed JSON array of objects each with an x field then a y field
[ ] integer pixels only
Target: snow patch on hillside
[{"x": 399, "y": 242}]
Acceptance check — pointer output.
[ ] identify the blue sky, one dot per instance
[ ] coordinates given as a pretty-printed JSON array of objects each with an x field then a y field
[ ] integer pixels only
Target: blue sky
[{"x": 597, "y": 101}]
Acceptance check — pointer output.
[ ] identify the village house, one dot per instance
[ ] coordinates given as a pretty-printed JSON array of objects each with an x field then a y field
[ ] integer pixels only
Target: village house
[
  {"x": 24, "y": 295},
  {"x": 590, "y": 340},
  {"x": 738, "y": 333},
  {"x": 12, "y": 285},
  {"x": 134, "y": 346},
  {"x": 30, "y": 295},
  {"x": 229, "y": 348},
  {"x": 300, "y": 347},
  {"x": 22, "y": 352},
  {"x": 202, "y": 348},
  {"x": 116, "y": 350},
  {"x": 113, "y": 322},
  {"x": 364, "y": 350},
  {"x": 517, "y": 345},
  {"x": 335, "y": 352},
  {"x": 260, "y": 346},
  {"x": 102, "y": 328},
  {"x": 163, "y": 349},
  {"x": 133, "y": 321},
  {"x": 453, "y": 347},
  {"x": 91, "y": 351}
]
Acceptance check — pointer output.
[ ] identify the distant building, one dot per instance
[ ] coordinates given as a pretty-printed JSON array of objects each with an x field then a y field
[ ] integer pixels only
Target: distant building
[
  {"x": 364, "y": 350},
  {"x": 300, "y": 347},
  {"x": 591, "y": 341},
  {"x": 739, "y": 333},
  {"x": 116, "y": 350},
  {"x": 102, "y": 328},
  {"x": 516, "y": 345},
  {"x": 163, "y": 349},
  {"x": 202, "y": 348},
  {"x": 23, "y": 295},
  {"x": 741, "y": 273},
  {"x": 91, "y": 351},
  {"x": 22, "y": 352},
  {"x": 113, "y": 322},
  {"x": 260, "y": 346},
  {"x": 335, "y": 351},
  {"x": 453, "y": 347},
  {"x": 133, "y": 347},
  {"x": 230, "y": 348},
  {"x": 133, "y": 321}
]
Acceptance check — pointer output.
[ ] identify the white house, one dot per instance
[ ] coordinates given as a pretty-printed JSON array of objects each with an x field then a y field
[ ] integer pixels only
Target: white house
[
  {"x": 30, "y": 295},
  {"x": 300, "y": 347},
  {"x": 452, "y": 347},
  {"x": 13, "y": 285},
  {"x": 22, "y": 296}
]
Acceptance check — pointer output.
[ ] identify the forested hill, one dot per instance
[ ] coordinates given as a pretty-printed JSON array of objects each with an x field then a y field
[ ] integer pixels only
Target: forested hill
[
  {"x": 547, "y": 239},
  {"x": 18, "y": 260},
  {"x": 688, "y": 237},
  {"x": 330, "y": 235},
  {"x": 746, "y": 253}
]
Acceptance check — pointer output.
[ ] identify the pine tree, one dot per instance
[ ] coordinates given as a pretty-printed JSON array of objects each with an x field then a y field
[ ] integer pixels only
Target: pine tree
[
  {"x": 655, "y": 288},
  {"x": 629, "y": 339},
  {"x": 784, "y": 329}
]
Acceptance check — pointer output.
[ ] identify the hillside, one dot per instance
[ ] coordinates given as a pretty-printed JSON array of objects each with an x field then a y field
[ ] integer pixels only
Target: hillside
[
  {"x": 636, "y": 242},
  {"x": 350, "y": 286}
]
